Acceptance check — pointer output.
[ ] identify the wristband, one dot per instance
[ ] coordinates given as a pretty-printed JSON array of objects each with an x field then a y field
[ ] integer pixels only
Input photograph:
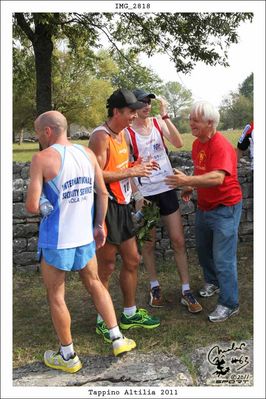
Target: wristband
[
  {"x": 137, "y": 196},
  {"x": 166, "y": 116}
]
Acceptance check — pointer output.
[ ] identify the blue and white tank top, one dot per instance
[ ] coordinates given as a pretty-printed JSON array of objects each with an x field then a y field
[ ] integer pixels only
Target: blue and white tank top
[{"x": 70, "y": 224}]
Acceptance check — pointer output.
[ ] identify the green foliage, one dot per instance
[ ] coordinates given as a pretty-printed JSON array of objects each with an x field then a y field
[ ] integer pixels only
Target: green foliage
[
  {"x": 151, "y": 217},
  {"x": 24, "y": 110},
  {"x": 182, "y": 121},
  {"x": 186, "y": 37},
  {"x": 178, "y": 97},
  {"x": 80, "y": 90},
  {"x": 237, "y": 109},
  {"x": 131, "y": 74},
  {"x": 246, "y": 89},
  {"x": 81, "y": 84}
]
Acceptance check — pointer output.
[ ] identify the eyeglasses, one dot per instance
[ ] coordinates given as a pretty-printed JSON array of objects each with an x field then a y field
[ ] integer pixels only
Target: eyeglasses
[{"x": 146, "y": 101}]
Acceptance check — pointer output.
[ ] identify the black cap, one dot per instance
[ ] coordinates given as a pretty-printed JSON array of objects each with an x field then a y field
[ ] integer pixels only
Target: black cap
[
  {"x": 140, "y": 94},
  {"x": 123, "y": 98}
]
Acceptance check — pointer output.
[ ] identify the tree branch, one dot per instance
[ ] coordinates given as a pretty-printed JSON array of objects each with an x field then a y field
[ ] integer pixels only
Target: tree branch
[
  {"x": 80, "y": 19},
  {"x": 24, "y": 26}
]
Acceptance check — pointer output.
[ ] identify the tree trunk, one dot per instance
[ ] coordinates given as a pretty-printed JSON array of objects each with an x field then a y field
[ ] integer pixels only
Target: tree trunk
[
  {"x": 41, "y": 39},
  {"x": 43, "y": 48},
  {"x": 21, "y": 136}
]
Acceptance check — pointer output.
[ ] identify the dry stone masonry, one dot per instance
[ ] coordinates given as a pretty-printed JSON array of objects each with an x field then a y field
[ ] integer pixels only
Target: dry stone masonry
[{"x": 25, "y": 225}]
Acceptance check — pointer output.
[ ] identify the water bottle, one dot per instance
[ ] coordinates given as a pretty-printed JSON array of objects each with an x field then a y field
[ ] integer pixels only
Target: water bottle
[
  {"x": 137, "y": 216},
  {"x": 45, "y": 206}
]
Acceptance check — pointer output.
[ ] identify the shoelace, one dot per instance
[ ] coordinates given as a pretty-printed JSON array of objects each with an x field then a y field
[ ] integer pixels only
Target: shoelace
[
  {"x": 103, "y": 327},
  {"x": 143, "y": 313},
  {"x": 156, "y": 292},
  {"x": 189, "y": 296}
]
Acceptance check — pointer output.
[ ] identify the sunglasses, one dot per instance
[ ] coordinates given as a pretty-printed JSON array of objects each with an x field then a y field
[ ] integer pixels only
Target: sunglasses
[{"x": 146, "y": 101}]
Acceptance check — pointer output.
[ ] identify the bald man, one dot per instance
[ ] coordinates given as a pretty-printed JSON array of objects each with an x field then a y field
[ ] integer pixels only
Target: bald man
[{"x": 71, "y": 233}]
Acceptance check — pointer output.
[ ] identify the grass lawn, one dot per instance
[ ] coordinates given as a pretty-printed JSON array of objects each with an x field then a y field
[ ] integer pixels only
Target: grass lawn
[
  {"x": 180, "y": 332},
  {"x": 24, "y": 152}
]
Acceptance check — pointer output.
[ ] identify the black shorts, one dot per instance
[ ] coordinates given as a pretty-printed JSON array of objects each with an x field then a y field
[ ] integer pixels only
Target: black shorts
[
  {"x": 167, "y": 202},
  {"x": 119, "y": 223}
]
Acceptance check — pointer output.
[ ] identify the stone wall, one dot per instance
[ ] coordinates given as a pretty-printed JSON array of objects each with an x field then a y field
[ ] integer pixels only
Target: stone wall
[{"x": 25, "y": 225}]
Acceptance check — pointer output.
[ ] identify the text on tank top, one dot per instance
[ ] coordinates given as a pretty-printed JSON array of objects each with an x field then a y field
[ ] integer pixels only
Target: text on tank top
[
  {"x": 70, "y": 224},
  {"x": 153, "y": 147}
]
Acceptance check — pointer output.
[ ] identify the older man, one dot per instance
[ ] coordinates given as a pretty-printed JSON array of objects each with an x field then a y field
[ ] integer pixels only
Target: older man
[
  {"x": 67, "y": 239},
  {"x": 219, "y": 208},
  {"x": 110, "y": 147}
]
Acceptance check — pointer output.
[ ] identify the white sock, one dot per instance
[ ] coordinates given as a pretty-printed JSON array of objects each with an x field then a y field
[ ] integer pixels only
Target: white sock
[
  {"x": 115, "y": 333},
  {"x": 67, "y": 351},
  {"x": 130, "y": 311},
  {"x": 154, "y": 283},
  {"x": 99, "y": 318},
  {"x": 185, "y": 287}
]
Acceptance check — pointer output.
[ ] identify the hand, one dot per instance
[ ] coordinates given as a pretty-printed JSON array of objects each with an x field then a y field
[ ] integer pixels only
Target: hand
[
  {"x": 148, "y": 161},
  {"x": 139, "y": 204},
  {"x": 163, "y": 105},
  {"x": 142, "y": 169},
  {"x": 155, "y": 165},
  {"x": 99, "y": 235},
  {"x": 178, "y": 179},
  {"x": 186, "y": 193}
]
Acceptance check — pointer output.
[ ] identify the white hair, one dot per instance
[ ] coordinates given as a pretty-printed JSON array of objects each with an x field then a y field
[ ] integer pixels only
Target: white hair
[{"x": 206, "y": 111}]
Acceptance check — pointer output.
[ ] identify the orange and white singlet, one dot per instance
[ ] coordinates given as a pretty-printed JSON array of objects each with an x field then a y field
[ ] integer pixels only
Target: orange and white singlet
[{"x": 118, "y": 159}]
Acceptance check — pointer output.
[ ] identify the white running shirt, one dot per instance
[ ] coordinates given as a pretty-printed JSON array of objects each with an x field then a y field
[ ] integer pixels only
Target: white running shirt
[
  {"x": 70, "y": 224},
  {"x": 151, "y": 147}
]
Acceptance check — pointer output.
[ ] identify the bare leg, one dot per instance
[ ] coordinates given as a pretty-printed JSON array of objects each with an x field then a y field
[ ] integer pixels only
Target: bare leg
[
  {"x": 128, "y": 275},
  {"x": 100, "y": 295},
  {"x": 106, "y": 262},
  {"x": 149, "y": 256},
  {"x": 174, "y": 227},
  {"x": 54, "y": 281}
]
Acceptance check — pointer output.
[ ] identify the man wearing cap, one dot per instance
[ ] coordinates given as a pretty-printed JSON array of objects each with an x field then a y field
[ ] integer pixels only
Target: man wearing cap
[
  {"x": 110, "y": 147},
  {"x": 146, "y": 136}
]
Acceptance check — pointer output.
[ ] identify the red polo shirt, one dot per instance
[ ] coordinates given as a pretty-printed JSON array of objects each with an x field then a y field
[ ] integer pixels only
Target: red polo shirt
[{"x": 216, "y": 154}]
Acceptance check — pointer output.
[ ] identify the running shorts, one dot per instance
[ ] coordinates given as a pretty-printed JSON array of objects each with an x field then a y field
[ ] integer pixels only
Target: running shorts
[
  {"x": 167, "y": 202},
  {"x": 119, "y": 223},
  {"x": 70, "y": 259}
]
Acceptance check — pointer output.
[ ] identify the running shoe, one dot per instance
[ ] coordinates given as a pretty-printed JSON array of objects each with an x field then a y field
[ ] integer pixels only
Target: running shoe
[
  {"x": 122, "y": 345},
  {"x": 102, "y": 329},
  {"x": 209, "y": 290},
  {"x": 222, "y": 313},
  {"x": 191, "y": 302},
  {"x": 56, "y": 361},
  {"x": 140, "y": 319},
  {"x": 156, "y": 299}
]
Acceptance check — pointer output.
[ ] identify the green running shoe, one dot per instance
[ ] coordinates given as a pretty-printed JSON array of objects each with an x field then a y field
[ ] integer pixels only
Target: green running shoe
[
  {"x": 102, "y": 329},
  {"x": 140, "y": 319}
]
